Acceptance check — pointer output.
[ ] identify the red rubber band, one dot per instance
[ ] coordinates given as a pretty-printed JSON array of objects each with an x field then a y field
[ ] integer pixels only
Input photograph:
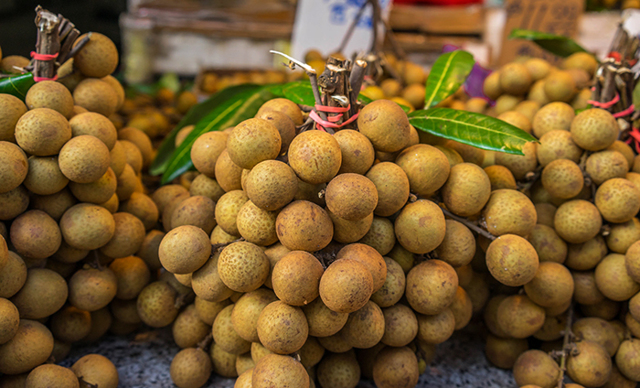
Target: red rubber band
[
  {"x": 625, "y": 112},
  {"x": 635, "y": 137},
  {"x": 43, "y": 57},
  {"x": 332, "y": 109},
  {"x": 605, "y": 105},
  {"x": 38, "y": 79},
  {"x": 329, "y": 124}
]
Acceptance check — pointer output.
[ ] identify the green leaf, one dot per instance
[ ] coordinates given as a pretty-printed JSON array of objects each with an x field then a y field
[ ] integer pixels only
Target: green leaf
[
  {"x": 299, "y": 92},
  {"x": 636, "y": 96},
  {"x": 471, "y": 128},
  {"x": 447, "y": 74},
  {"x": 230, "y": 112},
  {"x": 17, "y": 85},
  {"x": 192, "y": 117},
  {"x": 555, "y": 44},
  {"x": 364, "y": 100}
]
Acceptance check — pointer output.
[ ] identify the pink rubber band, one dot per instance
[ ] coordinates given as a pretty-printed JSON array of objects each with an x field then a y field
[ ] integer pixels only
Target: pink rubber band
[
  {"x": 328, "y": 124},
  {"x": 332, "y": 109},
  {"x": 635, "y": 137},
  {"x": 38, "y": 79},
  {"x": 625, "y": 112},
  {"x": 43, "y": 57},
  {"x": 605, "y": 105}
]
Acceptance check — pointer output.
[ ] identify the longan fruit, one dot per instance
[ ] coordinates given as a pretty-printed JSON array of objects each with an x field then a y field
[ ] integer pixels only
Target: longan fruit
[
  {"x": 605, "y": 309},
  {"x": 599, "y": 331},
  {"x": 380, "y": 235},
  {"x": 115, "y": 84},
  {"x": 503, "y": 352},
  {"x": 70, "y": 324},
  {"x": 148, "y": 251},
  {"x": 315, "y": 156},
  {"x": 435, "y": 329},
  {"x": 15, "y": 167},
  {"x": 125, "y": 312},
  {"x": 557, "y": 144},
  {"x": 227, "y": 208},
  {"x": 322, "y": 321},
  {"x": 143, "y": 207},
  {"x": 546, "y": 213},
  {"x": 243, "y": 266},
  {"x": 577, "y": 221},
  {"x": 357, "y": 152},
  {"x": 605, "y": 165},
  {"x": 283, "y": 123},
  {"x": 509, "y": 212},
  {"x": 271, "y": 185},
  {"x": 345, "y": 231},
  {"x": 519, "y": 317},
  {"x": 207, "y": 284},
  {"x": 426, "y": 167},
  {"x": 156, "y": 304},
  {"x": 618, "y": 200},
  {"x": 491, "y": 86},
  {"x": 368, "y": 257},
  {"x": 346, "y": 286},
  {"x": 365, "y": 326},
  {"x": 627, "y": 359},
  {"x": 13, "y": 274},
  {"x": 52, "y": 95},
  {"x": 338, "y": 370},
  {"x": 512, "y": 260},
  {"x": 400, "y": 325},
  {"x": 31, "y": 346},
  {"x": 505, "y": 103},
  {"x": 227, "y": 173},
  {"x": 556, "y": 115},
  {"x": 562, "y": 178},
  {"x": 244, "y": 362},
  {"x": 224, "y": 334},
  {"x": 224, "y": 363},
  {"x": 52, "y": 375},
  {"x": 98, "y": 192},
  {"x": 128, "y": 236},
  {"x": 613, "y": 279},
  {"x": 133, "y": 155},
  {"x": 184, "y": 249},
  {"x": 196, "y": 211},
  {"x": 461, "y": 308},
  {"x": 96, "y": 369},
  {"x": 552, "y": 329},
  {"x": 35, "y": 234},
  {"x": 622, "y": 236},
  {"x": 428, "y": 279},
  {"x": 500, "y": 177},
  {"x": 86, "y": 226},
  {"x": 283, "y": 329},
  {"x": 467, "y": 189},
  {"x": 246, "y": 312},
  {"x": 256, "y": 225},
  {"x": 594, "y": 129},
  {"x": 590, "y": 366},
  {"x": 296, "y": 278},
  {"x": 559, "y": 86},
  {"x": 414, "y": 94},
  {"x": 392, "y": 187},
  {"x": 253, "y": 141},
  {"x": 98, "y": 57},
  {"x": 206, "y": 151},
  {"x": 284, "y": 106},
  {"x": 188, "y": 330},
  {"x": 9, "y": 320},
  {"x": 43, "y": 293},
  {"x": 537, "y": 368},
  {"x": 618, "y": 380},
  {"x": 452, "y": 155},
  {"x": 396, "y": 368},
  {"x": 538, "y": 68},
  {"x": 96, "y": 95},
  {"x": 519, "y": 165},
  {"x": 547, "y": 243},
  {"x": 420, "y": 227},
  {"x": 92, "y": 289},
  {"x": 132, "y": 275},
  {"x": 84, "y": 159},
  {"x": 191, "y": 368},
  {"x": 12, "y": 109},
  {"x": 351, "y": 196},
  {"x": 552, "y": 285},
  {"x": 586, "y": 292},
  {"x": 42, "y": 132},
  {"x": 303, "y": 225},
  {"x": 140, "y": 140},
  {"x": 275, "y": 370},
  {"x": 515, "y": 78},
  {"x": 458, "y": 246}
]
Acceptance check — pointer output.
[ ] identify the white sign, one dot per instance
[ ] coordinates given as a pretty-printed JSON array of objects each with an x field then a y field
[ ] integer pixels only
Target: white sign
[{"x": 321, "y": 25}]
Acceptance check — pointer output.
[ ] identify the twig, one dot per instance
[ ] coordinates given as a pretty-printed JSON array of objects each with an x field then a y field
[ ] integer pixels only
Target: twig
[
  {"x": 218, "y": 247},
  {"x": 206, "y": 341},
  {"x": 352, "y": 26},
  {"x": 47, "y": 43},
  {"x": 530, "y": 179},
  {"x": 183, "y": 299},
  {"x": 466, "y": 222},
  {"x": 566, "y": 346},
  {"x": 355, "y": 79},
  {"x": 85, "y": 383},
  {"x": 79, "y": 46}
]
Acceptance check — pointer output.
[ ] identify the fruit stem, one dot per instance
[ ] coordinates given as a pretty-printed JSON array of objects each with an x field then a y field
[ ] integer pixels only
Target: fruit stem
[
  {"x": 565, "y": 346},
  {"x": 469, "y": 224},
  {"x": 206, "y": 341},
  {"x": 218, "y": 247}
]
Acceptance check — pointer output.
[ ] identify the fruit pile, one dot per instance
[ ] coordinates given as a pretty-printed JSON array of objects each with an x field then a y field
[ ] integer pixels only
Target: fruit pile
[
  {"x": 72, "y": 213},
  {"x": 302, "y": 258}
]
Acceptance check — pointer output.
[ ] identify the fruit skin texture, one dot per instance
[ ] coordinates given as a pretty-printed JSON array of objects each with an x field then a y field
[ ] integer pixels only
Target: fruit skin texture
[
  {"x": 31, "y": 346},
  {"x": 190, "y": 368},
  {"x": 431, "y": 286},
  {"x": 97, "y": 96},
  {"x": 86, "y": 226},
  {"x": 52, "y": 95},
  {"x": 537, "y": 368},
  {"x": 426, "y": 167},
  {"x": 632, "y": 261},
  {"x": 339, "y": 370},
  {"x": 11, "y": 109},
  {"x": 303, "y": 225},
  {"x": 92, "y": 289},
  {"x": 243, "y": 266},
  {"x": 253, "y": 141},
  {"x": 351, "y": 196},
  {"x": 551, "y": 286},
  {"x": 98, "y": 370},
  {"x": 184, "y": 249},
  {"x": 591, "y": 367},
  {"x": 35, "y": 234},
  {"x": 42, "y": 132},
  {"x": 385, "y": 124},
  {"x": 84, "y": 159},
  {"x": 420, "y": 227},
  {"x": 577, "y": 221},
  {"x": 510, "y": 212},
  {"x": 271, "y": 185},
  {"x": 562, "y": 178},
  {"x": 282, "y": 329},
  {"x": 613, "y": 280},
  {"x": 467, "y": 190},
  {"x": 43, "y": 293},
  {"x": 512, "y": 260},
  {"x": 519, "y": 317},
  {"x": 503, "y": 352},
  {"x": 594, "y": 129},
  {"x": 274, "y": 370},
  {"x": 396, "y": 368},
  {"x": 156, "y": 304},
  {"x": 346, "y": 286},
  {"x": 553, "y": 116},
  {"x": 365, "y": 327},
  {"x": 392, "y": 186},
  {"x": 296, "y": 278},
  {"x": 9, "y": 320},
  {"x": 627, "y": 359},
  {"x": 618, "y": 200},
  {"x": 51, "y": 375},
  {"x": 315, "y": 156},
  {"x": 98, "y": 58},
  {"x": 15, "y": 166}
]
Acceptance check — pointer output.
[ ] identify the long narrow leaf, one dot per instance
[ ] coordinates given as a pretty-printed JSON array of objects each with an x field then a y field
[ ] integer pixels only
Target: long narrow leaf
[
  {"x": 17, "y": 85},
  {"x": 192, "y": 117},
  {"x": 555, "y": 44},
  {"x": 447, "y": 74},
  {"x": 299, "y": 92},
  {"x": 471, "y": 128},
  {"x": 231, "y": 112},
  {"x": 636, "y": 96}
]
